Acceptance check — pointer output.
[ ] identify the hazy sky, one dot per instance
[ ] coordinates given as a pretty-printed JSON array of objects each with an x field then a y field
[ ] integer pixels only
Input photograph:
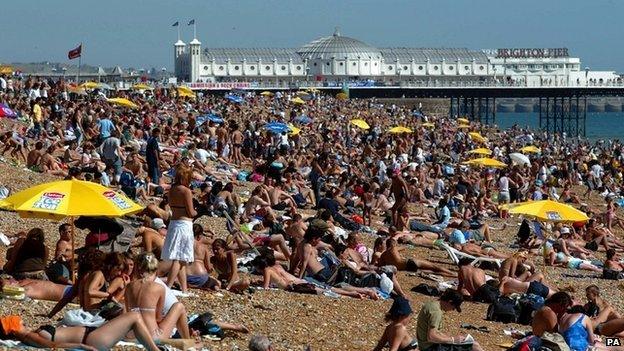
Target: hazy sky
[{"x": 138, "y": 32}]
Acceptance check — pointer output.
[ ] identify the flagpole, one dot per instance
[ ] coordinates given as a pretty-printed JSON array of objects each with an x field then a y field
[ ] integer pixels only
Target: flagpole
[
  {"x": 178, "y": 27},
  {"x": 194, "y": 30},
  {"x": 79, "y": 64}
]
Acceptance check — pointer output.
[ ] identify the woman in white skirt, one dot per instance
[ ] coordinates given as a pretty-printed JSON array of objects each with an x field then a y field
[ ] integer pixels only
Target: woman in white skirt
[{"x": 178, "y": 246}]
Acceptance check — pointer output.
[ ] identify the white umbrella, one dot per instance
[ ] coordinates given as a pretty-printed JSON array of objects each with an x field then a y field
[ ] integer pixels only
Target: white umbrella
[{"x": 519, "y": 159}]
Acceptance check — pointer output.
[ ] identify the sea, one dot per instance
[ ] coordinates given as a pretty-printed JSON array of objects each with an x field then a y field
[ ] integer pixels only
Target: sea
[{"x": 599, "y": 125}]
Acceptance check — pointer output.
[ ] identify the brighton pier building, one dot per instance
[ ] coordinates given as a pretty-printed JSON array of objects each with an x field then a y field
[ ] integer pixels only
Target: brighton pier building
[{"x": 336, "y": 59}]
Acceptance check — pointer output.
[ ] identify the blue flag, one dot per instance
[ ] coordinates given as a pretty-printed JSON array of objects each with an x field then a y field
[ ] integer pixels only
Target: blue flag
[
  {"x": 176, "y": 24},
  {"x": 191, "y": 22}
]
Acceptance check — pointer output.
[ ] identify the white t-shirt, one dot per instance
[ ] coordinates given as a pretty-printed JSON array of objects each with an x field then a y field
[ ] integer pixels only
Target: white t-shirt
[
  {"x": 170, "y": 298},
  {"x": 3, "y": 84},
  {"x": 503, "y": 185},
  {"x": 202, "y": 155}
]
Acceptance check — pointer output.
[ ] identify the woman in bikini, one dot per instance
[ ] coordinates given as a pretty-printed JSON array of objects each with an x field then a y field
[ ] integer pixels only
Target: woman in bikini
[
  {"x": 224, "y": 263},
  {"x": 104, "y": 337},
  {"x": 147, "y": 297},
  {"x": 396, "y": 334}
]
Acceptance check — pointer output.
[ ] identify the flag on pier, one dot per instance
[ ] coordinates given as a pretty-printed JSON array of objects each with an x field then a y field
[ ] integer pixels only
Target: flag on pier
[
  {"x": 191, "y": 22},
  {"x": 175, "y": 24},
  {"x": 75, "y": 53}
]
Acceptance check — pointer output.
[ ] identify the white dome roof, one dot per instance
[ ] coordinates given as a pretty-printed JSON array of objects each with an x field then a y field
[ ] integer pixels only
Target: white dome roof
[{"x": 339, "y": 47}]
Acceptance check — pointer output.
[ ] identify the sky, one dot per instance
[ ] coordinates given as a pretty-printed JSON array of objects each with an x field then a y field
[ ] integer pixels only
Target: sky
[{"x": 138, "y": 33}]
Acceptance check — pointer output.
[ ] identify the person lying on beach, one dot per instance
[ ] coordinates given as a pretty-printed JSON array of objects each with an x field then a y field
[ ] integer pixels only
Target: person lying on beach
[
  {"x": 39, "y": 289},
  {"x": 613, "y": 261},
  {"x": 510, "y": 286},
  {"x": 557, "y": 258},
  {"x": 104, "y": 337},
  {"x": 472, "y": 283},
  {"x": 147, "y": 297},
  {"x": 458, "y": 240},
  {"x": 393, "y": 257}
]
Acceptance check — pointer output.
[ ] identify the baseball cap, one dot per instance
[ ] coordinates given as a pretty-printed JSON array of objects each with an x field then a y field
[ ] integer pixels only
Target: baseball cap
[
  {"x": 565, "y": 230},
  {"x": 453, "y": 297},
  {"x": 158, "y": 223}
]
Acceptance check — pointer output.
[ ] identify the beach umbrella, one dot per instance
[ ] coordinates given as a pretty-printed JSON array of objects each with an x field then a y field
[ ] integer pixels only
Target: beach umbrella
[
  {"x": 303, "y": 119},
  {"x": 73, "y": 88},
  {"x": 463, "y": 126},
  {"x": 69, "y": 199},
  {"x": 208, "y": 117},
  {"x": 298, "y": 100},
  {"x": 428, "y": 125},
  {"x": 5, "y": 111},
  {"x": 360, "y": 123},
  {"x": 477, "y": 137},
  {"x": 184, "y": 91},
  {"x": 549, "y": 210},
  {"x": 481, "y": 151},
  {"x": 234, "y": 98},
  {"x": 90, "y": 85},
  {"x": 5, "y": 69},
  {"x": 486, "y": 162},
  {"x": 519, "y": 159},
  {"x": 463, "y": 121},
  {"x": 277, "y": 127},
  {"x": 266, "y": 93},
  {"x": 123, "y": 102},
  {"x": 342, "y": 96},
  {"x": 294, "y": 130},
  {"x": 313, "y": 90},
  {"x": 531, "y": 149},
  {"x": 142, "y": 86},
  {"x": 399, "y": 130}
]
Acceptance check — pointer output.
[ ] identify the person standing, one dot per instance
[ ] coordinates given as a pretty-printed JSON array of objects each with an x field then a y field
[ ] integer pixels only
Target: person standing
[
  {"x": 105, "y": 127},
  {"x": 179, "y": 242},
  {"x": 152, "y": 156},
  {"x": 112, "y": 154}
]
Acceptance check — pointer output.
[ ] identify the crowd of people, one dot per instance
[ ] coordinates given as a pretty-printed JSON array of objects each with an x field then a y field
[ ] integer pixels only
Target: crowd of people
[{"x": 324, "y": 208}]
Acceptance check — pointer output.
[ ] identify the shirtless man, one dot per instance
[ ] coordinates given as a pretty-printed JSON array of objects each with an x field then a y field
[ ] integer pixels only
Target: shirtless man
[
  {"x": 34, "y": 157},
  {"x": 613, "y": 261},
  {"x": 392, "y": 256},
  {"x": 281, "y": 200},
  {"x": 400, "y": 191},
  {"x": 308, "y": 257},
  {"x": 296, "y": 228},
  {"x": 545, "y": 319},
  {"x": 39, "y": 289},
  {"x": 515, "y": 267},
  {"x": 459, "y": 242},
  {"x": 152, "y": 239},
  {"x": 472, "y": 282},
  {"x": 198, "y": 272},
  {"x": 63, "y": 252},
  {"x": 510, "y": 286},
  {"x": 259, "y": 200},
  {"x": 222, "y": 137},
  {"x": 237, "y": 145}
]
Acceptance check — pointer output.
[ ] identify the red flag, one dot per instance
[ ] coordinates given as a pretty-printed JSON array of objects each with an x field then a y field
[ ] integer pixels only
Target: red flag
[{"x": 72, "y": 54}]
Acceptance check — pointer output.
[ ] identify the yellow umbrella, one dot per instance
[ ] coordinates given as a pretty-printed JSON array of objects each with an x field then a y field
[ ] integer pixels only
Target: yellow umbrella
[
  {"x": 341, "y": 96},
  {"x": 428, "y": 125},
  {"x": 303, "y": 93},
  {"x": 76, "y": 89},
  {"x": 486, "y": 162},
  {"x": 531, "y": 149},
  {"x": 360, "y": 123},
  {"x": 549, "y": 210},
  {"x": 463, "y": 126},
  {"x": 481, "y": 151},
  {"x": 266, "y": 93},
  {"x": 298, "y": 100},
  {"x": 313, "y": 90},
  {"x": 90, "y": 85},
  {"x": 141, "y": 86},
  {"x": 463, "y": 121},
  {"x": 294, "y": 130},
  {"x": 184, "y": 91},
  {"x": 400, "y": 129},
  {"x": 5, "y": 69},
  {"x": 123, "y": 102},
  {"x": 477, "y": 137},
  {"x": 69, "y": 198}
]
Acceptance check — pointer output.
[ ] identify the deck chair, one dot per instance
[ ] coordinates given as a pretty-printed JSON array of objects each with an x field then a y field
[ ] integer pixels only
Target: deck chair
[{"x": 455, "y": 255}]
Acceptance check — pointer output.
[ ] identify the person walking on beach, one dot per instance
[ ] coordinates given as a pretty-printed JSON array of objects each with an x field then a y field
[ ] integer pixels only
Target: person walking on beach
[
  {"x": 152, "y": 156},
  {"x": 178, "y": 246}
]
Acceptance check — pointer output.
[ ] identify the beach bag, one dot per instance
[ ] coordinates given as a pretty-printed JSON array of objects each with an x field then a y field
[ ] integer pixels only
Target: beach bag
[
  {"x": 611, "y": 274},
  {"x": 303, "y": 288},
  {"x": 527, "y": 305},
  {"x": 82, "y": 318},
  {"x": 502, "y": 310},
  {"x": 553, "y": 342},
  {"x": 426, "y": 289},
  {"x": 203, "y": 324},
  {"x": 110, "y": 309},
  {"x": 592, "y": 245},
  {"x": 486, "y": 294},
  {"x": 450, "y": 347}
]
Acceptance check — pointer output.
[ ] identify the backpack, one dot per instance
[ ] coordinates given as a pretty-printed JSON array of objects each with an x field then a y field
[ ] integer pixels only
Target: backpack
[
  {"x": 486, "y": 294},
  {"x": 611, "y": 274},
  {"x": 503, "y": 310},
  {"x": 426, "y": 289},
  {"x": 126, "y": 179},
  {"x": 203, "y": 324},
  {"x": 527, "y": 305}
]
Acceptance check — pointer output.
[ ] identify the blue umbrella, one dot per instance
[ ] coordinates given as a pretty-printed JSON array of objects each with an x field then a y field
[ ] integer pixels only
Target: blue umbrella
[
  {"x": 208, "y": 117},
  {"x": 277, "y": 127},
  {"x": 303, "y": 119},
  {"x": 235, "y": 98}
]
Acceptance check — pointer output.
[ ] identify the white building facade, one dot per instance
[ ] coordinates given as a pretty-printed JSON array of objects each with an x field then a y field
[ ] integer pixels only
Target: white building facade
[{"x": 339, "y": 58}]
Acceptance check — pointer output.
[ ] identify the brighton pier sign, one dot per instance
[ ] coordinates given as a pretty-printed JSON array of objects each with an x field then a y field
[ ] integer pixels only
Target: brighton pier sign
[{"x": 532, "y": 53}]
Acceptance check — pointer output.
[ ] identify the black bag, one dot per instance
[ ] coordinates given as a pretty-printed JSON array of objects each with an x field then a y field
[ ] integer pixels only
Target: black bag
[
  {"x": 611, "y": 274},
  {"x": 592, "y": 245},
  {"x": 303, "y": 288},
  {"x": 527, "y": 305},
  {"x": 344, "y": 274},
  {"x": 110, "y": 309},
  {"x": 503, "y": 310},
  {"x": 426, "y": 289},
  {"x": 203, "y": 324},
  {"x": 450, "y": 347},
  {"x": 486, "y": 294}
]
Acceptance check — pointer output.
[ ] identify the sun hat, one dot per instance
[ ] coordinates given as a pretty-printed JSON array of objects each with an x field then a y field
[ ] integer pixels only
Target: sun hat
[{"x": 158, "y": 223}]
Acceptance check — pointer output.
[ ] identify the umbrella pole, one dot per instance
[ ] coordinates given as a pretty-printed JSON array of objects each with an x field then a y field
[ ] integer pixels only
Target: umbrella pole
[{"x": 72, "y": 262}]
